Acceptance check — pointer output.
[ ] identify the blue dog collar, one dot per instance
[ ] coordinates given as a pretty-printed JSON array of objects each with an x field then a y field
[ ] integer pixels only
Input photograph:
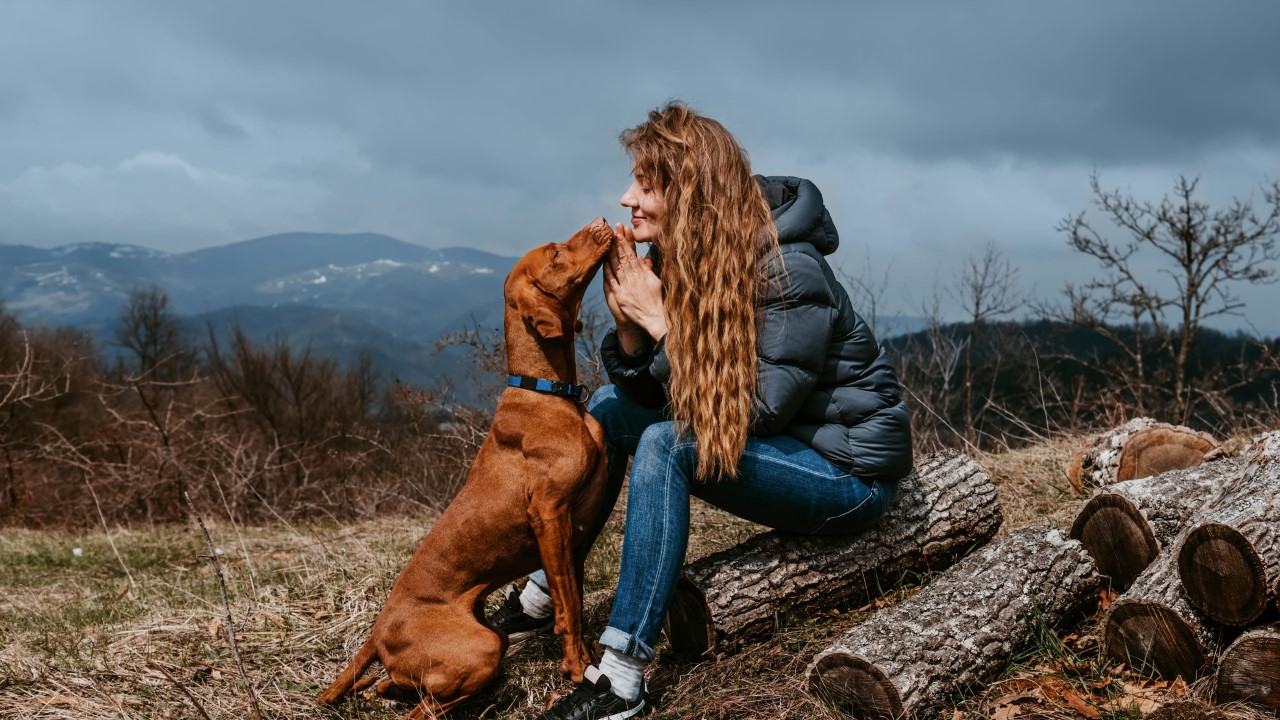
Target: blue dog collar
[{"x": 552, "y": 387}]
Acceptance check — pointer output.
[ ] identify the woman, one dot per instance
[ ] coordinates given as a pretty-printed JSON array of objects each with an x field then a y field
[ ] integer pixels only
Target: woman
[{"x": 742, "y": 376}]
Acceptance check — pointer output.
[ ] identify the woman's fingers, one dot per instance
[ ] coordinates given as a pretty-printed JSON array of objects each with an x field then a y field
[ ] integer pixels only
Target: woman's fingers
[
  {"x": 615, "y": 248},
  {"x": 624, "y": 237}
]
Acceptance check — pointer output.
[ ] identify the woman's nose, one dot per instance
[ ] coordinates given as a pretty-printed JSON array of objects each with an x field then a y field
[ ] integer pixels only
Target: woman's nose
[{"x": 628, "y": 198}]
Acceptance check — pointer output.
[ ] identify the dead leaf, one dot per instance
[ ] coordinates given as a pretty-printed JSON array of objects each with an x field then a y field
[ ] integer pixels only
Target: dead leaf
[
  {"x": 1010, "y": 699},
  {"x": 1180, "y": 687},
  {"x": 1136, "y": 688},
  {"x": 1080, "y": 705},
  {"x": 1105, "y": 597},
  {"x": 214, "y": 626}
]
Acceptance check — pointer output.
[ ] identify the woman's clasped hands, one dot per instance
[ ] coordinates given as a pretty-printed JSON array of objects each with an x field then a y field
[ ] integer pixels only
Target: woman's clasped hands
[{"x": 633, "y": 292}]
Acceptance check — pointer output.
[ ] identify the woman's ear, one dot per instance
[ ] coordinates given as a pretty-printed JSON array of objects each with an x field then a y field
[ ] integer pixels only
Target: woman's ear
[{"x": 535, "y": 311}]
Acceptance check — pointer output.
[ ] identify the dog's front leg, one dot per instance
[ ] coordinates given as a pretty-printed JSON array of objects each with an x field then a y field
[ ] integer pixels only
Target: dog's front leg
[{"x": 554, "y": 529}]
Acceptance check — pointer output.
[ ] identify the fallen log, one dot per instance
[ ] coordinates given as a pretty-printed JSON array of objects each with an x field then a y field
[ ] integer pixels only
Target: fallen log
[
  {"x": 1229, "y": 562},
  {"x": 1125, "y": 525},
  {"x": 941, "y": 511},
  {"x": 960, "y": 630},
  {"x": 1250, "y": 669},
  {"x": 1153, "y": 627},
  {"x": 1141, "y": 447}
]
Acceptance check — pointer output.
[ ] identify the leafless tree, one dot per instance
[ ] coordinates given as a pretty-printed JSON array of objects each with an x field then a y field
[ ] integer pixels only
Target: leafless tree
[
  {"x": 928, "y": 362},
  {"x": 596, "y": 321},
  {"x": 485, "y": 349},
  {"x": 866, "y": 291},
  {"x": 985, "y": 288},
  {"x": 155, "y": 337},
  {"x": 1204, "y": 252}
]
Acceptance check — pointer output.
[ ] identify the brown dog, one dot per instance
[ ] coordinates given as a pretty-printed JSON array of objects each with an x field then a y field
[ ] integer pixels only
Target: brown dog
[{"x": 530, "y": 500}]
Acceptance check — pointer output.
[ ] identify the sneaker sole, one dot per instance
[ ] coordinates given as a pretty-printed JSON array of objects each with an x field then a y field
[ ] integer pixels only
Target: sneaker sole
[{"x": 628, "y": 713}]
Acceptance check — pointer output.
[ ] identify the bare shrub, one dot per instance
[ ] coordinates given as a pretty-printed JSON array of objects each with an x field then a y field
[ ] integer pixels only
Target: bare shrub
[
  {"x": 263, "y": 432},
  {"x": 1203, "y": 251}
]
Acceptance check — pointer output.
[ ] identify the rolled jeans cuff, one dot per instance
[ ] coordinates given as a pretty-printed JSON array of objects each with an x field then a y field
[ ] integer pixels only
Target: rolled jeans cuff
[
  {"x": 627, "y": 644},
  {"x": 539, "y": 578}
]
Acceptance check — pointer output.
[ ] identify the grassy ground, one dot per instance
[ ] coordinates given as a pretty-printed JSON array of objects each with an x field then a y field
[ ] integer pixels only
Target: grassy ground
[{"x": 130, "y": 625}]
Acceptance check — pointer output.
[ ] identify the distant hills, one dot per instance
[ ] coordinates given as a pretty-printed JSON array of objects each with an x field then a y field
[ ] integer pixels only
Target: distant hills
[{"x": 338, "y": 292}]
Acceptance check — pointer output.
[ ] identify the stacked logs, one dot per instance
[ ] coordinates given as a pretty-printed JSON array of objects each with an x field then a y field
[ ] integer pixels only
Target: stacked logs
[
  {"x": 1158, "y": 486},
  {"x": 962, "y": 629},
  {"x": 1199, "y": 553}
]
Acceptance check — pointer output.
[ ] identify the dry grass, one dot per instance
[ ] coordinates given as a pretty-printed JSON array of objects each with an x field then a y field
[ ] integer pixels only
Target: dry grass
[
  {"x": 78, "y": 641},
  {"x": 1031, "y": 483}
]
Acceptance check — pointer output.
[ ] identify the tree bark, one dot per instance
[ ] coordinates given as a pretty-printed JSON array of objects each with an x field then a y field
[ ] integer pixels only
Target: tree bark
[
  {"x": 1152, "y": 626},
  {"x": 1229, "y": 562},
  {"x": 1125, "y": 525},
  {"x": 1250, "y": 669},
  {"x": 941, "y": 511},
  {"x": 1139, "y": 448},
  {"x": 960, "y": 630}
]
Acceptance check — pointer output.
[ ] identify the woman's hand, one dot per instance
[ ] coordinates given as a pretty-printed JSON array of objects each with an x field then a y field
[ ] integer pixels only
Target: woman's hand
[{"x": 632, "y": 290}]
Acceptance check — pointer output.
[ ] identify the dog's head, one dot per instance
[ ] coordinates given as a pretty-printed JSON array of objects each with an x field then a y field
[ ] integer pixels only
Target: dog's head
[{"x": 546, "y": 286}]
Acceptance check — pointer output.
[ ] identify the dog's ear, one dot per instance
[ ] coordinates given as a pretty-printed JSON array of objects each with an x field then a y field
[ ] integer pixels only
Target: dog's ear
[{"x": 543, "y": 319}]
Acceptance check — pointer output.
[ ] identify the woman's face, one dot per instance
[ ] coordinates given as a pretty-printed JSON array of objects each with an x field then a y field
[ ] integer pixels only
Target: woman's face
[{"x": 645, "y": 202}]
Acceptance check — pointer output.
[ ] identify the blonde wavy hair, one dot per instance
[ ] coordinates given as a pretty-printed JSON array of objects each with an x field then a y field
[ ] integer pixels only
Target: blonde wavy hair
[{"x": 716, "y": 233}]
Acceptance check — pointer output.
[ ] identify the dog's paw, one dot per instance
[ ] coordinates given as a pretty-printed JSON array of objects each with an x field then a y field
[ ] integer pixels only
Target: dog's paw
[{"x": 573, "y": 669}]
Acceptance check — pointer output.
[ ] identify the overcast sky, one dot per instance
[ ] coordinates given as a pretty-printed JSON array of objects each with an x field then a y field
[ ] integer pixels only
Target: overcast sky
[{"x": 931, "y": 128}]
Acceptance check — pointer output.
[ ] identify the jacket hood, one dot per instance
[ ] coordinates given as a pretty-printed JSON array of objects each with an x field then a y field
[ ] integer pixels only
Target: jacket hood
[{"x": 798, "y": 212}]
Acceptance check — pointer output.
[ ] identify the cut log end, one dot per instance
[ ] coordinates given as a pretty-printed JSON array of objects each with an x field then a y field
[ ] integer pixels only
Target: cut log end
[
  {"x": 1120, "y": 540},
  {"x": 1250, "y": 670},
  {"x": 1160, "y": 449},
  {"x": 689, "y": 626},
  {"x": 856, "y": 686},
  {"x": 1149, "y": 635},
  {"x": 1223, "y": 574}
]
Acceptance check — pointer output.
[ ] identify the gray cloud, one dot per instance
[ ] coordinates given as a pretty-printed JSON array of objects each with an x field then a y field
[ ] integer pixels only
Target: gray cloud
[{"x": 932, "y": 128}]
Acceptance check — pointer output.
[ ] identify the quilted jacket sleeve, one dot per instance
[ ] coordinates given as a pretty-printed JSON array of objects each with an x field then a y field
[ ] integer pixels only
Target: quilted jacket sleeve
[
  {"x": 798, "y": 314},
  {"x": 642, "y": 377}
]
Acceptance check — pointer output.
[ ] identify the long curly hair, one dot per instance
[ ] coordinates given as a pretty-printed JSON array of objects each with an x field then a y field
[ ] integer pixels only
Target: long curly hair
[{"x": 716, "y": 234}]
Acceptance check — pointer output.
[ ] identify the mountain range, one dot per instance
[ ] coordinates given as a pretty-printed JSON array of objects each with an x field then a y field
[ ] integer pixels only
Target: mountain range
[{"x": 340, "y": 293}]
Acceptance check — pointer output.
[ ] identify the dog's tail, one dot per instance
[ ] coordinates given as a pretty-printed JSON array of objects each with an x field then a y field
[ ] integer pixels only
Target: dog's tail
[{"x": 351, "y": 673}]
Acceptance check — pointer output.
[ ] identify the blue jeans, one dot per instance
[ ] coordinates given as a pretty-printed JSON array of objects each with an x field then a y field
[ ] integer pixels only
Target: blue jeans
[{"x": 782, "y": 483}]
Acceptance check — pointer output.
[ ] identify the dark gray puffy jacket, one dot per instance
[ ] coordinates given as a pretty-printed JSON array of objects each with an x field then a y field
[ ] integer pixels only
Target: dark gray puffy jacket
[{"x": 823, "y": 378}]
